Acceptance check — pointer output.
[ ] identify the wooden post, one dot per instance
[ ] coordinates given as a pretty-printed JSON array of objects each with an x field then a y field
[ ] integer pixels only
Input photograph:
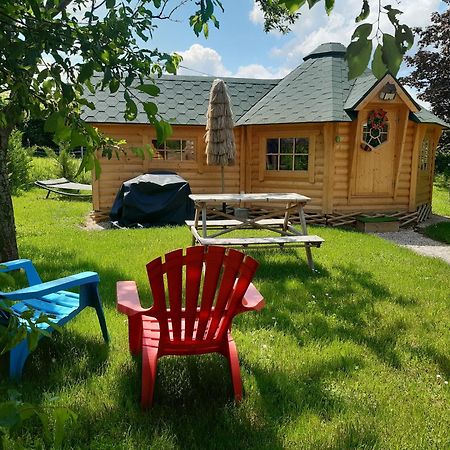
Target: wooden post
[
  {"x": 305, "y": 233},
  {"x": 400, "y": 142},
  {"x": 418, "y": 136},
  {"x": 286, "y": 216},
  {"x": 204, "y": 233}
]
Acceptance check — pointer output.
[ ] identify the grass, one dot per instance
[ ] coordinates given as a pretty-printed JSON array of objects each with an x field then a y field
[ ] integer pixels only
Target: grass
[
  {"x": 354, "y": 356},
  {"x": 441, "y": 197},
  {"x": 439, "y": 232}
]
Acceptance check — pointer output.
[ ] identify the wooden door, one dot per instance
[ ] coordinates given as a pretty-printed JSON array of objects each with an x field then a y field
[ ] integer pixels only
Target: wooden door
[{"x": 375, "y": 153}]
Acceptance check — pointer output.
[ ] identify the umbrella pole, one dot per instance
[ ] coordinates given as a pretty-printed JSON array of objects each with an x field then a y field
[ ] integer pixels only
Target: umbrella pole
[{"x": 222, "y": 173}]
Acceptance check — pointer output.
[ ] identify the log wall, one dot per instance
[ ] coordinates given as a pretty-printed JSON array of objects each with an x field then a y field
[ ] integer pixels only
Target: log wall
[
  {"x": 328, "y": 181},
  {"x": 202, "y": 178}
]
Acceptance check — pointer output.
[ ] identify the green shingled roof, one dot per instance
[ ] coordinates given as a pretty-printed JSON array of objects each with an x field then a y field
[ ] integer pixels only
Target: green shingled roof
[
  {"x": 316, "y": 91},
  {"x": 183, "y": 100}
]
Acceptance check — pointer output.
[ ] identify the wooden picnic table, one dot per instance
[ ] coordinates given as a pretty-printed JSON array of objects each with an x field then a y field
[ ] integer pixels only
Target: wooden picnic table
[{"x": 213, "y": 232}]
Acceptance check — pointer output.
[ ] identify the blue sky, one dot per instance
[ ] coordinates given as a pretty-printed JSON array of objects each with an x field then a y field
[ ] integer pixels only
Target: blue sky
[{"x": 241, "y": 48}]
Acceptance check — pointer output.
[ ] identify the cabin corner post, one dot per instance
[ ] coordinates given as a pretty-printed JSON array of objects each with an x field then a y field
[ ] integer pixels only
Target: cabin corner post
[
  {"x": 96, "y": 187},
  {"x": 243, "y": 158},
  {"x": 418, "y": 136},
  {"x": 400, "y": 138},
  {"x": 355, "y": 141},
  {"x": 330, "y": 144},
  {"x": 249, "y": 158}
]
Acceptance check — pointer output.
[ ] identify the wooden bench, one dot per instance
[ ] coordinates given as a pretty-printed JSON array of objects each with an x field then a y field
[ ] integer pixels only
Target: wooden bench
[
  {"x": 268, "y": 241},
  {"x": 224, "y": 223}
]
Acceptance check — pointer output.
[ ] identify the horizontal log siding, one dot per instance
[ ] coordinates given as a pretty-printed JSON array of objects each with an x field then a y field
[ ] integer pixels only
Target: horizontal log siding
[
  {"x": 342, "y": 174},
  {"x": 309, "y": 185},
  {"x": 202, "y": 178}
]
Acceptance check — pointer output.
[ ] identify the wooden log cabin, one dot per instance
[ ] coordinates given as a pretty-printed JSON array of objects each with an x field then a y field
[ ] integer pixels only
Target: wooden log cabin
[{"x": 355, "y": 147}]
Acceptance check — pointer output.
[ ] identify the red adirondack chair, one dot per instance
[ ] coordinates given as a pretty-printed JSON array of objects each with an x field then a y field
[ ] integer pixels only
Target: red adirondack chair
[{"x": 193, "y": 320}]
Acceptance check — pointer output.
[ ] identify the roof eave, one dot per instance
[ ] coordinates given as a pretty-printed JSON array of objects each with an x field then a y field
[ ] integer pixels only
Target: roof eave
[{"x": 376, "y": 84}]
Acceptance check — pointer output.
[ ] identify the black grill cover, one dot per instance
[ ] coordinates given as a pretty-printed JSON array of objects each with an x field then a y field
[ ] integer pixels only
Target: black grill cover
[{"x": 153, "y": 199}]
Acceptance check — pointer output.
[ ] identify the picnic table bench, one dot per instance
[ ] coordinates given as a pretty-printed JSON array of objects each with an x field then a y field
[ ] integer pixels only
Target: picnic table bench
[{"x": 286, "y": 235}]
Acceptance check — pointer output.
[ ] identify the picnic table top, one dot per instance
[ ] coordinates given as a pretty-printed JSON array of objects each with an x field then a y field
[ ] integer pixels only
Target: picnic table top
[{"x": 258, "y": 197}]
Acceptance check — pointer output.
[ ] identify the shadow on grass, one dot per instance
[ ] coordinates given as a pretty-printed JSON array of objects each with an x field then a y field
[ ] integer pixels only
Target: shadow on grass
[
  {"x": 343, "y": 304},
  {"x": 193, "y": 404},
  {"x": 193, "y": 394}
]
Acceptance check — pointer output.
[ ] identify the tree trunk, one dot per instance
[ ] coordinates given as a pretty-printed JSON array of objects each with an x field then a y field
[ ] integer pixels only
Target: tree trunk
[{"x": 8, "y": 243}]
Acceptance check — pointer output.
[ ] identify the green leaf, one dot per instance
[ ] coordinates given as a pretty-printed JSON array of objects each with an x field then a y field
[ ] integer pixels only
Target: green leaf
[
  {"x": 365, "y": 11},
  {"x": 329, "y": 5},
  {"x": 205, "y": 30},
  {"x": 114, "y": 85},
  {"x": 150, "y": 109},
  {"x": 379, "y": 69},
  {"x": 97, "y": 168},
  {"x": 104, "y": 56},
  {"x": 53, "y": 122},
  {"x": 198, "y": 26},
  {"x": 62, "y": 134},
  {"x": 86, "y": 72},
  {"x": 32, "y": 340},
  {"x": 61, "y": 416},
  {"x": 9, "y": 414},
  {"x": 131, "y": 110},
  {"x": 392, "y": 55},
  {"x": 77, "y": 139},
  {"x": 138, "y": 151},
  {"x": 67, "y": 92},
  {"x": 358, "y": 56},
  {"x": 311, "y": 3},
  {"x": 110, "y": 4},
  {"x": 362, "y": 31},
  {"x": 404, "y": 38},
  {"x": 392, "y": 14},
  {"x": 150, "y": 89},
  {"x": 294, "y": 5}
]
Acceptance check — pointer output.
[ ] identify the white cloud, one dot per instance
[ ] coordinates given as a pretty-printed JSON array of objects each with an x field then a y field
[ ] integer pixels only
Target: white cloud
[
  {"x": 314, "y": 27},
  {"x": 260, "y": 71},
  {"x": 256, "y": 15},
  {"x": 200, "y": 60},
  {"x": 204, "y": 60}
]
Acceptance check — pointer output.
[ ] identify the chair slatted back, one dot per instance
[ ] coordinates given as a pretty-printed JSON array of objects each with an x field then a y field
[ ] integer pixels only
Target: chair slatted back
[{"x": 205, "y": 288}]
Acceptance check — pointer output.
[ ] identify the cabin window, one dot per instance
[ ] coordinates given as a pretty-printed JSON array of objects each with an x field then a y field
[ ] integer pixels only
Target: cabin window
[
  {"x": 375, "y": 136},
  {"x": 175, "y": 150},
  {"x": 287, "y": 154},
  {"x": 425, "y": 154}
]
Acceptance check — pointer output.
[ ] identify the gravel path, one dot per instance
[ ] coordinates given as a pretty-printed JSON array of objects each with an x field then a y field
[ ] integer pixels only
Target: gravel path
[{"x": 420, "y": 243}]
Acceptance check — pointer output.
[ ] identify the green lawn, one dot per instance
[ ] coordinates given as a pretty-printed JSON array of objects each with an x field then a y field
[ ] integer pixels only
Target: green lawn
[
  {"x": 354, "y": 356},
  {"x": 441, "y": 198}
]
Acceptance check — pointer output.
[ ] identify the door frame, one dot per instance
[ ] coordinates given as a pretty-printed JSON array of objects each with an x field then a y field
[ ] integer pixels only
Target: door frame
[{"x": 394, "y": 132}]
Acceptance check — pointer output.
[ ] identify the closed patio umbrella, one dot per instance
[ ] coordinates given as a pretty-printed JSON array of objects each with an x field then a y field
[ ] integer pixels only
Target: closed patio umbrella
[{"x": 219, "y": 137}]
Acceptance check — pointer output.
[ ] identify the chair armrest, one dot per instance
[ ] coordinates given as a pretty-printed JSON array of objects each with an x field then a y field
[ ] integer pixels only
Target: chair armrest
[
  {"x": 253, "y": 300},
  {"x": 25, "y": 264},
  {"x": 128, "y": 299},
  {"x": 39, "y": 290}
]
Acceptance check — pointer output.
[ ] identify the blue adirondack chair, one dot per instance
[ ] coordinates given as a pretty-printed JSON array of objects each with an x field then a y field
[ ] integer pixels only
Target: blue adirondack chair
[{"x": 50, "y": 298}]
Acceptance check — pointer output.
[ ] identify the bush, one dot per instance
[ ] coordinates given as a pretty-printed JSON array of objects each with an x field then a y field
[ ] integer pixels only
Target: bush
[
  {"x": 44, "y": 169},
  {"x": 67, "y": 166},
  {"x": 18, "y": 163}
]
